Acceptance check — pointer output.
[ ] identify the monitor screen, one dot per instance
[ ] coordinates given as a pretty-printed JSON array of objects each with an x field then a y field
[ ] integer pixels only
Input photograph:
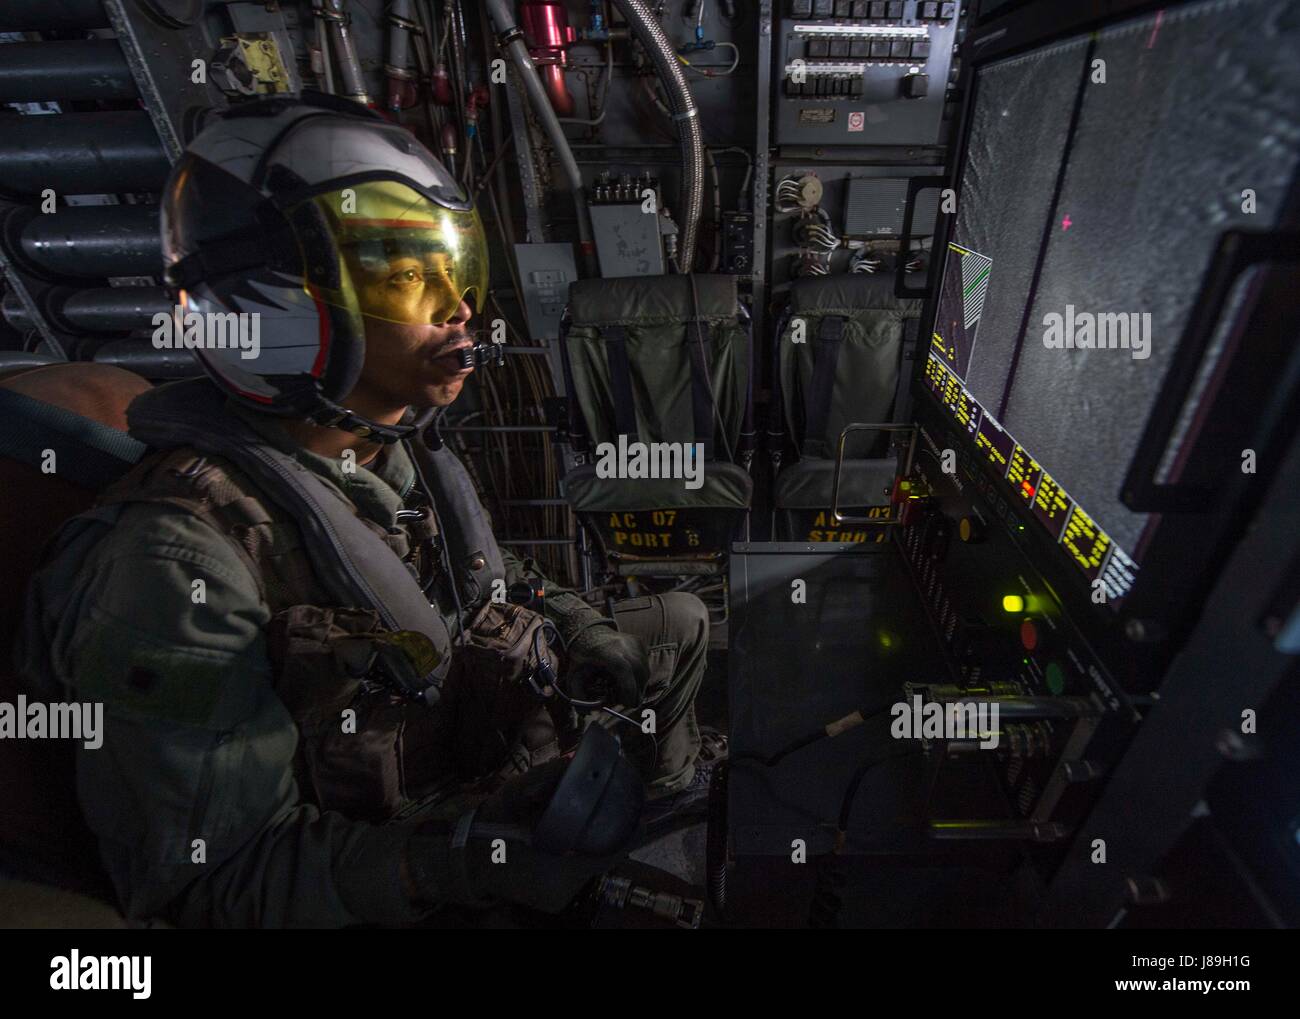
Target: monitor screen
[{"x": 1100, "y": 173}]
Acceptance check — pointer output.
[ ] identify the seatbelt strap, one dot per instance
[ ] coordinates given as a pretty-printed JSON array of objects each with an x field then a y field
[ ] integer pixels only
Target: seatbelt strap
[
  {"x": 578, "y": 434},
  {"x": 620, "y": 379},
  {"x": 830, "y": 334},
  {"x": 903, "y": 392},
  {"x": 701, "y": 401},
  {"x": 745, "y": 450},
  {"x": 467, "y": 538},
  {"x": 776, "y": 408},
  {"x": 87, "y": 453}
]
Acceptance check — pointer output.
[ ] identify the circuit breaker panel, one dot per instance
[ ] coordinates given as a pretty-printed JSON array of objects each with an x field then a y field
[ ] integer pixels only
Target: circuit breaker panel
[{"x": 865, "y": 72}]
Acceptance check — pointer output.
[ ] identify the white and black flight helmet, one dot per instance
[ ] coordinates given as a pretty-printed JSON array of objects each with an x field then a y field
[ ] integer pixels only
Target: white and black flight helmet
[{"x": 314, "y": 213}]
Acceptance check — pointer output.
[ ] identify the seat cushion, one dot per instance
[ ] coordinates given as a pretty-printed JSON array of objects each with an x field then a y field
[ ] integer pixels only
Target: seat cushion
[{"x": 809, "y": 484}]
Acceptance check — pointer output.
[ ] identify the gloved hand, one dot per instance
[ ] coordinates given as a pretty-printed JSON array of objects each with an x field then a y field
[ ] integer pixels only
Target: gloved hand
[
  {"x": 527, "y": 876},
  {"x": 488, "y": 871},
  {"x": 605, "y": 664}
]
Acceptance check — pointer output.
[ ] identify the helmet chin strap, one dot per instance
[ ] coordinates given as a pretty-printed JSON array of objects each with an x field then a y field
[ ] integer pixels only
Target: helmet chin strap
[{"x": 331, "y": 415}]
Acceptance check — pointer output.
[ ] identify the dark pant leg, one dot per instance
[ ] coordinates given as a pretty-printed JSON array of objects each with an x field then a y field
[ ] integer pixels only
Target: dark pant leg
[{"x": 675, "y": 628}]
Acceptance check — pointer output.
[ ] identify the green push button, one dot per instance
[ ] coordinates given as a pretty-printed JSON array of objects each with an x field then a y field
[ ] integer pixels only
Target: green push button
[{"x": 1055, "y": 678}]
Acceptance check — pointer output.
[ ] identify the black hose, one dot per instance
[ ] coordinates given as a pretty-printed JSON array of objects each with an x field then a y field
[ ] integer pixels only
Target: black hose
[
  {"x": 784, "y": 752},
  {"x": 851, "y": 794},
  {"x": 806, "y": 740}
]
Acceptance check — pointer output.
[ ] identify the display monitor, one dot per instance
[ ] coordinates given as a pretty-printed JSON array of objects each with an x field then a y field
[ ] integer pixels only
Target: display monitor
[{"x": 1099, "y": 175}]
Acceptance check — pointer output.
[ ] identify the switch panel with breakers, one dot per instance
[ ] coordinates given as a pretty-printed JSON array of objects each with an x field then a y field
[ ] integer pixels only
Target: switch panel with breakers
[{"x": 865, "y": 72}]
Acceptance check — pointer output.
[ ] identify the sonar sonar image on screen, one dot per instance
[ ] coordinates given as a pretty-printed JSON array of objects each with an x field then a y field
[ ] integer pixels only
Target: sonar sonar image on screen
[
  {"x": 1068, "y": 284},
  {"x": 965, "y": 284}
]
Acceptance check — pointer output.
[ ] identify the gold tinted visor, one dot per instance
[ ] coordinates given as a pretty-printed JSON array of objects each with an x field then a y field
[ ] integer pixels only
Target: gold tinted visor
[{"x": 400, "y": 257}]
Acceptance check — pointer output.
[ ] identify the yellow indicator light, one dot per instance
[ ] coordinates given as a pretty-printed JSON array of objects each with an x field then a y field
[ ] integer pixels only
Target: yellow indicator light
[{"x": 1013, "y": 603}]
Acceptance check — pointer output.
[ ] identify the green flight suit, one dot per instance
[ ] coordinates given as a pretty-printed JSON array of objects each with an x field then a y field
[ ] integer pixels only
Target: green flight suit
[{"x": 196, "y": 743}]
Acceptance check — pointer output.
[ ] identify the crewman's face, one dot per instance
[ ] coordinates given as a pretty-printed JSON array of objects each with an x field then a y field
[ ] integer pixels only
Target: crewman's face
[
  {"x": 413, "y": 270},
  {"x": 416, "y": 365}
]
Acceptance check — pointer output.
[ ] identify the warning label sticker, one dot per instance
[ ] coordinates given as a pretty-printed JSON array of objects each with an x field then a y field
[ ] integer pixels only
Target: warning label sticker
[{"x": 857, "y": 121}]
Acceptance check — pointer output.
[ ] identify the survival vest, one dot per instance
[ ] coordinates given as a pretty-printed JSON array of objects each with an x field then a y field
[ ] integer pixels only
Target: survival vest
[{"x": 351, "y": 625}]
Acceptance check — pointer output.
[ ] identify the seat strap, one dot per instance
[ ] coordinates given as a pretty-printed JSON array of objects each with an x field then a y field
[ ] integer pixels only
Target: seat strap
[
  {"x": 701, "y": 400},
  {"x": 578, "y": 434},
  {"x": 620, "y": 379},
  {"x": 776, "y": 406},
  {"x": 91, "y": 454},
  {"x": 745, "y": 450},
  {"x": 830, "y": 334},
  {"x": 907, "y": 353}
]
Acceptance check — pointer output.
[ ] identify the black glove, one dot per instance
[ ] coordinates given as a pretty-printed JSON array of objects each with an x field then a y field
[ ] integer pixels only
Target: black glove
[
  {"x": 607, "y": 665},
  {"x": 497, "y": 862}
]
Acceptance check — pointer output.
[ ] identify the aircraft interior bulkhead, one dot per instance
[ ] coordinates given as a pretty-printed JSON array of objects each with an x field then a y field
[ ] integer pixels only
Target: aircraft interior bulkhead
[{"x": 617, "y": 463}]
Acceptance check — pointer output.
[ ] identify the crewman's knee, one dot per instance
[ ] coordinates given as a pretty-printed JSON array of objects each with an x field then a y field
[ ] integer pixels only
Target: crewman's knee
[{"x": 686, "y": 619}]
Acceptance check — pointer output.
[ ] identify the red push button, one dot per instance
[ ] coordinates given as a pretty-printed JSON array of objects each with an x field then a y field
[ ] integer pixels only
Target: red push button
[{"x": 1029, "y": 634}]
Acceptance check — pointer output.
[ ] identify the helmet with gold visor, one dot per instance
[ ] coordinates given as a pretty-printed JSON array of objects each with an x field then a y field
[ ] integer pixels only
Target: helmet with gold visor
[{"x": 315, "y": 214}]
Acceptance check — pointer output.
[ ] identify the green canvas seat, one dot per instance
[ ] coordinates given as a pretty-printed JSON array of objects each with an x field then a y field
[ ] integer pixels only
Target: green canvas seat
[
  {"x": 663, "y": 363},
  {"x": 844, "y": 370}
]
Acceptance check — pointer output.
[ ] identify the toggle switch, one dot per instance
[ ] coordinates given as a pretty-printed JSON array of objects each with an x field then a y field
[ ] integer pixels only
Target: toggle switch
[{"x": 916, "y": 86}]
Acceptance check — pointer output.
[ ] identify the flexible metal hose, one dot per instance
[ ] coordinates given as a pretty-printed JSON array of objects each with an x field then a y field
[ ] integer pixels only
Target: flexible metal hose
[
  {"x": 503, "y": 19},
  {"x": 685, "y": 114}
]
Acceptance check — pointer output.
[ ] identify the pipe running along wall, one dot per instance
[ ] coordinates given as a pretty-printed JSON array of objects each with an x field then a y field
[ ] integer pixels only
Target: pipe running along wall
[
  {"x": 503, "y": 19},
  {"x": 686, "y": 116}
]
